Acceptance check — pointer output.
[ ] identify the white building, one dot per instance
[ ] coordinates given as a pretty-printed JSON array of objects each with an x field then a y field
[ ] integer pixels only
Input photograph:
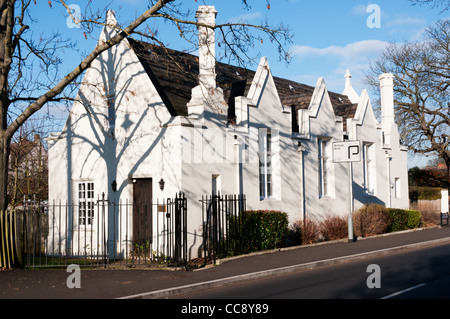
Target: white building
[{"x": 144, "y": 113}]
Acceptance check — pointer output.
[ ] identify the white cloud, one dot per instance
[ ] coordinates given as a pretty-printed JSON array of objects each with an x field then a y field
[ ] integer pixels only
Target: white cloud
[
  {"x": 356, "y": 51},
  {"x": 402, "y": 21},
  {"x": 245, "y": 17},
  {"x": 354, "y": 56},
  {"x": 359, "y": 9}
]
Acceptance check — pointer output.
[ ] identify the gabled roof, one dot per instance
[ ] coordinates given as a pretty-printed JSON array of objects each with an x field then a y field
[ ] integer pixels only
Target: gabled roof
[{"x": 175, "y": 74}]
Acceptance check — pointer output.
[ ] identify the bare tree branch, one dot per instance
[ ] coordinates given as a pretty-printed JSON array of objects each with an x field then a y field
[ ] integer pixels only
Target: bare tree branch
[
  {"x": 29, "y": 64},
  {"x": 421, "y": 90},
  {"x": 444, "y": 4}
]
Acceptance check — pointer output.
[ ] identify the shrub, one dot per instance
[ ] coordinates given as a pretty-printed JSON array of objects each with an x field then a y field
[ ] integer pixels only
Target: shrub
[
  {"x": 430, "y": 218},
  {"x": 334, "y": 227},
  {"x": 262, "y": 230},
  {"x": 370, "y": 220},
  {"x": 424, "y": 193},
  {"x": 402, "y": 219},
  {"x": 304, "y": 232}
]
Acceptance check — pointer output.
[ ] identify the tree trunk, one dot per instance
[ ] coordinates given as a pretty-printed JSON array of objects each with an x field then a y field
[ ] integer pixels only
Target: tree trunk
[
  {"x": 4, "y": 159},
  {"x": 6, "y": 26},
  {"x": 8, "y": 254}
]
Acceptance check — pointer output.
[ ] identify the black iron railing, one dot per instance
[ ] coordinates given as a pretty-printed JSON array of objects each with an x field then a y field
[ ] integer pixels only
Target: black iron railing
[
  {"x": 102, "y": 233},
  {"x": 221, "y": 225}
]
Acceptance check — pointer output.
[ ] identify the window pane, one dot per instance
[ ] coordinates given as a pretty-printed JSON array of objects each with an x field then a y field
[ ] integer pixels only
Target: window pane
[
  {"x": 397, "y": 188},
  {"x": 85, "y": 203},
  {"x": 323, "y": 167},
  {"x": 265, "y": 163},
  {"x": 82, "y": 213},
  {"x": 368, "y": 167},
  {"x": 90, "y": 213}
]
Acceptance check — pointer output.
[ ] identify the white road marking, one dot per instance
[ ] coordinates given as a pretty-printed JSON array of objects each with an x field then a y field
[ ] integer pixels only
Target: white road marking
[{"x": 402, "y": 291}]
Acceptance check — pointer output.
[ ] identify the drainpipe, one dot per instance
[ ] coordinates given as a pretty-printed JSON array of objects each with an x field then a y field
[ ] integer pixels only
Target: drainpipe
[
  {"x": 388, "y": 165},
  {"x": 238, "y": 161},
  {"x": 301, "y": 150}
]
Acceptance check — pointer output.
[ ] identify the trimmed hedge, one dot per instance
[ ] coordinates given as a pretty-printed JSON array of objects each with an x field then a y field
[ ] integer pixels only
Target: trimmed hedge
[
  {"x": 262, "y": 230},
  {"x": 402, "y": 219},
  {"x": 374, "y": 219},
  {"x": 424, "y": 193}
]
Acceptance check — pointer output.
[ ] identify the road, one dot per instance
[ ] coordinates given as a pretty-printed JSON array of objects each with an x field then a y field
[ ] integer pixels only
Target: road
[{"x": 418, "y": 273}]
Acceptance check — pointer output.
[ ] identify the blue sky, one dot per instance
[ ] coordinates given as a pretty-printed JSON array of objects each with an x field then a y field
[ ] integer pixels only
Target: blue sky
[{"x": 329, "y": 36}]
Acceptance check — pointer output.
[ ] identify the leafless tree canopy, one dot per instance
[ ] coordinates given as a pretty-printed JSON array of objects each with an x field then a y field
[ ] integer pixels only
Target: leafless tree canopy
[
  {"x": 444, "y": 5},
  {"x": 422, "y": 89},
  {"x": 30, "y": 77}
]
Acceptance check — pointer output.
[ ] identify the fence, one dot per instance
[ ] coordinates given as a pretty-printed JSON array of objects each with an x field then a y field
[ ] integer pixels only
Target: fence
[
  {"x": 8, "y": 256},
  {"x": 102, "y": 233},
  {"x": 444, "y": 219},
  {"x": 221, "y": 225}
]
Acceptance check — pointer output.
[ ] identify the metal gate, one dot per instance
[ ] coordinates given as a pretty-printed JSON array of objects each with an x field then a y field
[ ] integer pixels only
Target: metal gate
[
  {"x": 52, "y": 235},
  {"x": 221, "y": 225}
]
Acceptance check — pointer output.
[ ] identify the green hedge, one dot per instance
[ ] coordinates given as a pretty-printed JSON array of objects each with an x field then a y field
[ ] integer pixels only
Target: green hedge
[
  {"x": 262, "y": 230},
  {"x": 402, "y": 219},
  {"x": 424, "y": 193}
]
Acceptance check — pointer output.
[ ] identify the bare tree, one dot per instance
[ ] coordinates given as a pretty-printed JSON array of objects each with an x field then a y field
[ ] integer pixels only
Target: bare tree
[
  {"x": 24, "y": 92},
  {"x": 421, "y": 88},
  {"x": 444, "y": 4},
  {"x": 28, "y": 175},
  {"x": 29, "y": 65}
]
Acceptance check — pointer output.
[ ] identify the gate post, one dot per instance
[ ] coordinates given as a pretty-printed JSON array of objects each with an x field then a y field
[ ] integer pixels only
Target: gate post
[{"x": 180, "y": 240}]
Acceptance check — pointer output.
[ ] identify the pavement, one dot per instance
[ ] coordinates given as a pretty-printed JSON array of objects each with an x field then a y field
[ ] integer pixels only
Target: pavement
[{"x": 157, "y": 284}]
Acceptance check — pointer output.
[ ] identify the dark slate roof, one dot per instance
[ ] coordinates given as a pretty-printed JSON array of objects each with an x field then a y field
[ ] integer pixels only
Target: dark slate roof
[{"x": 175, "y": 74}]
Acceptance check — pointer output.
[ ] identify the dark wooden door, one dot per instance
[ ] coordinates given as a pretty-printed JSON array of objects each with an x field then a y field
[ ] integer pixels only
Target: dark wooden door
[{"x": 142, "y": 211}]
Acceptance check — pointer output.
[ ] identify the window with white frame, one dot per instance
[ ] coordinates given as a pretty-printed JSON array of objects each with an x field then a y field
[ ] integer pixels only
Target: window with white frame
[
  {"x": 85, "y": 203},
  {"x": 265, "y": 163},
  {"x": 324, "y": 167},
  {"x": 369, "y": 168},
  {"x": 216, "y": 184},
  {"x": 398, "y": 189}
]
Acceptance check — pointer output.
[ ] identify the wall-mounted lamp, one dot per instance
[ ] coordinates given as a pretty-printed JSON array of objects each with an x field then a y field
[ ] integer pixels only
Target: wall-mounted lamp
[
  {"x": 161, "y": 184},
  {"x": 300, "y": 147},
  {"x": 346, "y": 136}
]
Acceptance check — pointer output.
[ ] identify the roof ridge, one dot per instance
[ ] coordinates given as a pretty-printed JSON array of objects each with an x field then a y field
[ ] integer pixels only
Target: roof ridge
[{"x": 175, "y": 84}]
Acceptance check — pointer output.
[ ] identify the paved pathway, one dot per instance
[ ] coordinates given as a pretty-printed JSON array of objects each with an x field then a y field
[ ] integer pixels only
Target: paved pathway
[{"x": 108, "y": 284}]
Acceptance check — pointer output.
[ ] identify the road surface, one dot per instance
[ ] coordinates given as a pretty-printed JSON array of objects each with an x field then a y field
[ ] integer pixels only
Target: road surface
[{"x": 417, "y": 273}]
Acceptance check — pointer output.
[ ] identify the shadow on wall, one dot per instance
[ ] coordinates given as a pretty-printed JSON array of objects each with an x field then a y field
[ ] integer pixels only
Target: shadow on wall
[
  {"x": 360, "y": 195},
  {"x": 96, "y": 130}
]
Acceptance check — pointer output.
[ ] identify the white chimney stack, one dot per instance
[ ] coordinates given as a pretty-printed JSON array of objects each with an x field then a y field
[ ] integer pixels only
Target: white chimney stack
[
  {"x": 207, "y": 46},
  {"x": 207, "y": 98},
  {"x": 387, "y": 99}
]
